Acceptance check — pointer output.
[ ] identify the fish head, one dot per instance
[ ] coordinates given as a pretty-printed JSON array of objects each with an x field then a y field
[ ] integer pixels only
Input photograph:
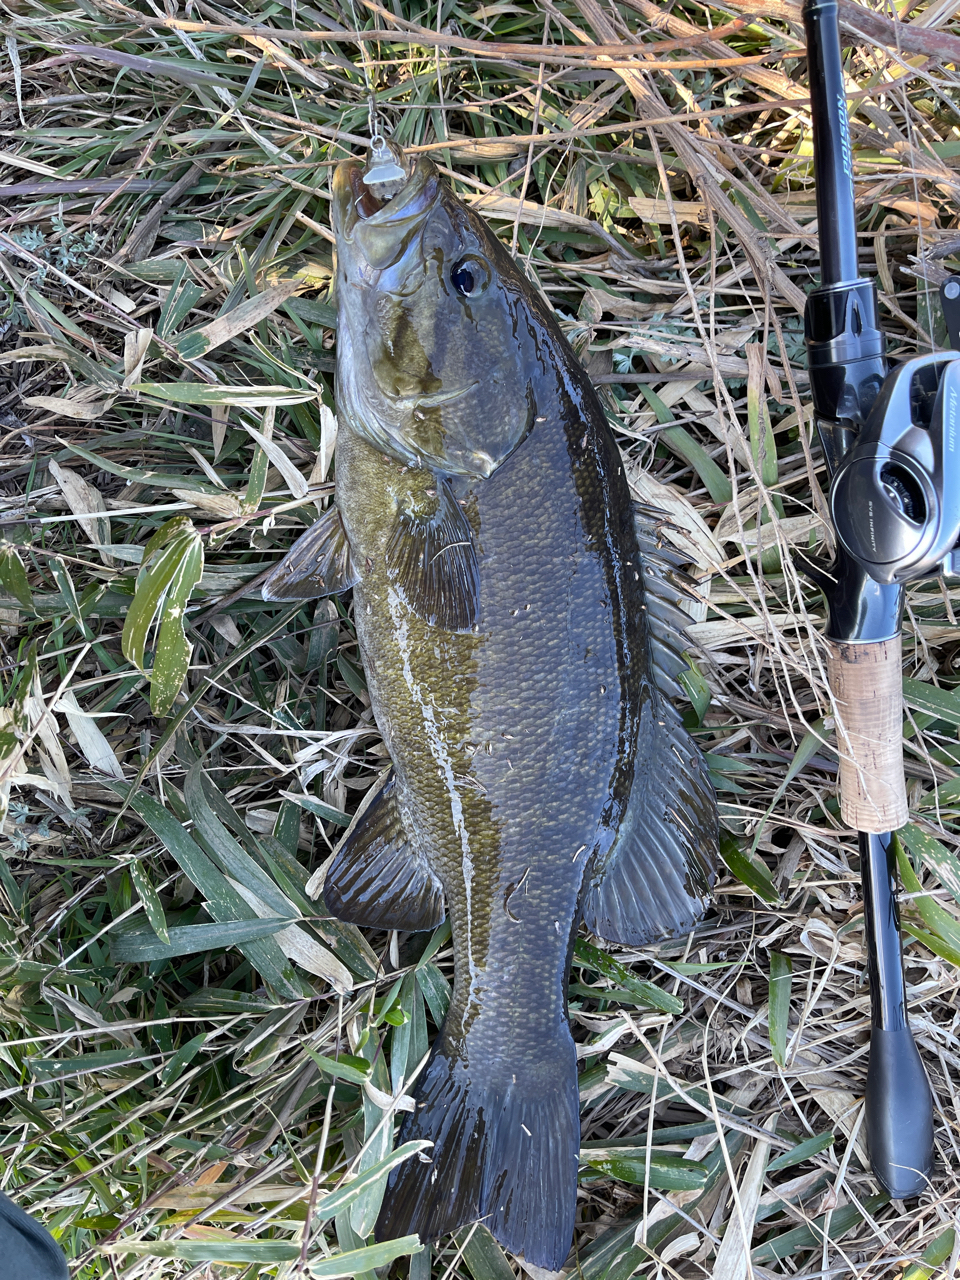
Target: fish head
[{"x": 438, "y": 362}]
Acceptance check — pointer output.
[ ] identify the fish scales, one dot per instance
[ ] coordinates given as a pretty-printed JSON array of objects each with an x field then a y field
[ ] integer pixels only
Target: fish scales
[
  {"x": 532, "y": 716},
  {"x": 539, "y": 774}
]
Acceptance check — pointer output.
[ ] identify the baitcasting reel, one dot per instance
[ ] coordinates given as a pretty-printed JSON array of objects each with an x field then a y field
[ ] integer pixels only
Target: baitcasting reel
[{"x": 895, "y": 498}]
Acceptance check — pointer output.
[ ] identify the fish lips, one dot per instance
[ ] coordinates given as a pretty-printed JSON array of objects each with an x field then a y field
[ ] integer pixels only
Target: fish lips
[{"x": 373, "y": 233}]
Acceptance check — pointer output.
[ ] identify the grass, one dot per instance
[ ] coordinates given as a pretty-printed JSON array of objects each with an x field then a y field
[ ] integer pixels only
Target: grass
[{"x": 185, "y": 1089}]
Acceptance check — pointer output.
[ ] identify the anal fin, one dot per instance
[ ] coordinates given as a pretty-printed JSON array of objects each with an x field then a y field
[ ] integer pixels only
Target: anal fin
[
  {"x": 318, "y": 564},
  {"x": 655, "y": 880},
  {"x": 378, "y": 878},
  {"x": 434, "y": 562}
]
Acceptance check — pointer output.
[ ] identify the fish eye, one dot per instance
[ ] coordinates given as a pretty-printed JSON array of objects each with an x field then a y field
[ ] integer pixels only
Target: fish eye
[{"x": 470, "y": 276}]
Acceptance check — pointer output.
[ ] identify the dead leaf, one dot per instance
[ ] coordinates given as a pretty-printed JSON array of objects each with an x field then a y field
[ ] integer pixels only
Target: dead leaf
[
  {"x": 200, "y": 342},
  {"x": 685, "y": 527},
  {"x": 85, "y": 405},
  {"x": 733, "y": 1261},
  {"x": 328, "y": 441},
  {"x": 292, "y": 477},
  {"x": 94, "y": 747},
  {"x": 660, "y": 210},
  {"x": 225, "y": 626},
  {"x": 43, "y": 725},
  {"x": 225, "y": 506},
  {"x": 753, "y": 630},
  {"x": 844, "y": 1109},
  {"x": 792, "y": 530},
  {"x": 86, "y": 503},
  {"x": 134, "y": 355},
  {"x": 219, "y": 416},
  {"x": 199, "y": 1197},
  {"x": 121, "y": 301},
  {"x": 509, "y": 208},
  {"x": 919, "y": 210},
  {"x": 297, "y": 944},
  {"x": 279, "y": 57}
]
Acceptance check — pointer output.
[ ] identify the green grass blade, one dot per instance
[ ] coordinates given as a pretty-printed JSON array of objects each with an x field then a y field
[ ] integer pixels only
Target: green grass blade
[
  {"x": 187, "y": 940},
  {"x": 152, "y": 906},
  {"x": 935, "y": 1255},
  {"x": 13, "y": 576},
  {"x": 935, "y": 856},
  {"x": 801, "y": 1239},
  {"x": 202, "y": 393},
  {"x": 802, "y": 1151},
  {"x": 172, "y": 656},
  {"x": 239, "y": 1252},
  {"x": 781, "y": 976},
  {"x": 484, "y": 1258},
  {"x": 932, "y": 943},
  {"x": 646, "y": 993},
  {"x": 223, "y": 902},
  {"x": 748, "y": 870},
  {"x": 358, "y": 1261},
  {"x": 233, "y": 859},
  {"x": 330, "y": 1205},
  {"x": 201, "y": 341},
  {"x": 665, "y": 1172},
  {"x": 944, "y": 704},
  {"x": 939, "y": 921}
]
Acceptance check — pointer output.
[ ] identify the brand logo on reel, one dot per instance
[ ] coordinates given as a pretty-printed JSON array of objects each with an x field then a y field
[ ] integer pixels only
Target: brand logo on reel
[{"x": 952, "y": 420}]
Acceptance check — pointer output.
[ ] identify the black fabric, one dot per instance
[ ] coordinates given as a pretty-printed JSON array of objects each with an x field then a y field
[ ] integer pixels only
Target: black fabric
[{"x": 27, "y": 1251}]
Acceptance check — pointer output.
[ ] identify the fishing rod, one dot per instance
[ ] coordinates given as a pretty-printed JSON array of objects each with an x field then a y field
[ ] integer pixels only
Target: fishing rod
[{"x": 889, "y": 439}]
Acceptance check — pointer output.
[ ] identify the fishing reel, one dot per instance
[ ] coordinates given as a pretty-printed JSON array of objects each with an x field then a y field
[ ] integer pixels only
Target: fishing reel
[{"x": 895, "y": 498}]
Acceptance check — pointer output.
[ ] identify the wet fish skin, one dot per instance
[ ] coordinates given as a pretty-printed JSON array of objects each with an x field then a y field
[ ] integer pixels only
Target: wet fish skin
[
  {"x": 406, "y": 379},
  {"x": 539, "y": 774}
]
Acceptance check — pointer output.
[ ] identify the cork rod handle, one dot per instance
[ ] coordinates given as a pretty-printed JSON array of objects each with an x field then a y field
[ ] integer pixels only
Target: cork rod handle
[{"x": 866, "y": 682}]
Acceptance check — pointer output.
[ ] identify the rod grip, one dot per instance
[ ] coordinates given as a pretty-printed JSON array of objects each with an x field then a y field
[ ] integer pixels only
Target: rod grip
[
  {"x": 899, "y": 1115},
  {"x": 866, "y": 683}
]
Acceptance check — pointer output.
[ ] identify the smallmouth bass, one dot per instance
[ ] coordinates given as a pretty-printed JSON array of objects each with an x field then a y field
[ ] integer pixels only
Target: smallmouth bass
[{"x": 517, "y": 647}]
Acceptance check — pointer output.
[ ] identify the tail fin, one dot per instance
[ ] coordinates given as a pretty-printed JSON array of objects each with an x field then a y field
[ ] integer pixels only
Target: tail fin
[{"x": 505, "y": 1151}]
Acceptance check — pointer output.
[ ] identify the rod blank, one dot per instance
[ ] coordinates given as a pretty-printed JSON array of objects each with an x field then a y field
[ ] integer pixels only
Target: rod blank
[{"x": 832, "y": 155}]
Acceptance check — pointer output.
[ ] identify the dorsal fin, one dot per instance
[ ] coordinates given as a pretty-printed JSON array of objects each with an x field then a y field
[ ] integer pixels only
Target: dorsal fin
[
  {"x": 655, "y": 881},
  {"x": 665, "y": 585},
  {"x": 378, "y": 877},
  {"x": 433, "y": 561},
  {"x": 318, "y": 563}
]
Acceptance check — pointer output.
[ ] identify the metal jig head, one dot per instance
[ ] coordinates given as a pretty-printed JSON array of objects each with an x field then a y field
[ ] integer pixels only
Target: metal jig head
[{"x": 387, "y": 169}]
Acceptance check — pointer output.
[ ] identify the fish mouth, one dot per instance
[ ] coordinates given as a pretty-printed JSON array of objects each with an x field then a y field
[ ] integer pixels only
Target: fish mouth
[{"x": 355, "y": 208}]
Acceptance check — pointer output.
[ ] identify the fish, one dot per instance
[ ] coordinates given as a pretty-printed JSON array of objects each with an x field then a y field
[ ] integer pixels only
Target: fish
[{"x": 520, "y": 632}]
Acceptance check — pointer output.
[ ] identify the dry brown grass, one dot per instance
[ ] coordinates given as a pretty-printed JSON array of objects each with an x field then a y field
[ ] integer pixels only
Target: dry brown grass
[{"x": 650, "y": 166}]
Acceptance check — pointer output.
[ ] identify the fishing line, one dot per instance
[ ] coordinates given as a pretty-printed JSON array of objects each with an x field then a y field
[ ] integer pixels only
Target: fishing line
[
  {"x": 373, "y": 119},
  {"x": 910, "y": 130}
]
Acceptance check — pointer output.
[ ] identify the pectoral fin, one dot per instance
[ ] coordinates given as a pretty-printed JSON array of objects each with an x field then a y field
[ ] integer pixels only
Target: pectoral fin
[
  {"x": 318, "y": 564},
  {"x": 655, "y": 881},
  {"x": 433, "y": 562},
  {"x": 378, "y": 878}
]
